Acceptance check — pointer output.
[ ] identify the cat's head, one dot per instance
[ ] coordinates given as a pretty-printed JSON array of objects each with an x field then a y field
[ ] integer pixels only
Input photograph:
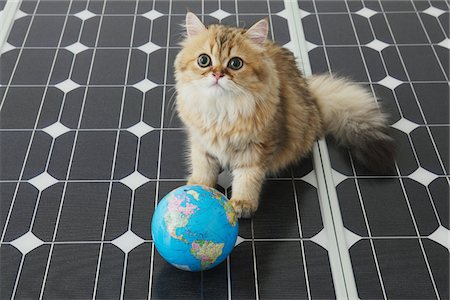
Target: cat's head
[{"x": 220, "y": 62}]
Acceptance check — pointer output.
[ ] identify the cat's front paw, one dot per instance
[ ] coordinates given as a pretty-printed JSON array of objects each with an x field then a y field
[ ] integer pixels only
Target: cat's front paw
[{"x": 244, "y": 208}]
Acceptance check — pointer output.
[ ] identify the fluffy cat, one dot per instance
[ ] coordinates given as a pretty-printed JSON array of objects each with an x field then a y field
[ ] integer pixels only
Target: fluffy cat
[{"x": 246, "y": 106}]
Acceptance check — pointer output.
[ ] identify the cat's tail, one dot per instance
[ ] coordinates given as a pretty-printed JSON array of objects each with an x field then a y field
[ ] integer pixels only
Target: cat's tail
[{"x": 351, "y": 115}]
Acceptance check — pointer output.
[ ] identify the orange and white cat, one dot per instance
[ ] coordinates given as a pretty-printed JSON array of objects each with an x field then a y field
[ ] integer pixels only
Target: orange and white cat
[{"x": 246, "y": 106}]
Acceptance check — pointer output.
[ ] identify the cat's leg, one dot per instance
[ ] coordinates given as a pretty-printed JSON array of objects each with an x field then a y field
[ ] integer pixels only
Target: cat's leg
[
  {"x": 204, "y": 167},
  {"x": 247, "y": 183}
]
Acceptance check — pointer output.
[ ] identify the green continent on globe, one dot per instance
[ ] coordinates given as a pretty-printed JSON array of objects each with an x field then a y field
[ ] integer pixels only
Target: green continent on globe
[
  {"x": 178, "y": 216},
  {"x": 206, "y": 251},
  {"x": 231, "y": 216}
]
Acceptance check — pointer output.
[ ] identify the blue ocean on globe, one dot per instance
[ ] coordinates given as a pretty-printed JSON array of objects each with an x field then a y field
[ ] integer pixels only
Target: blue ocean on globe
[{"x": 194, "y": 228}]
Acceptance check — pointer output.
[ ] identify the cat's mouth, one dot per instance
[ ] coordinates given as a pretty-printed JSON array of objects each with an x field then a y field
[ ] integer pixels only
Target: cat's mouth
[{"x": 217, "y": 85}]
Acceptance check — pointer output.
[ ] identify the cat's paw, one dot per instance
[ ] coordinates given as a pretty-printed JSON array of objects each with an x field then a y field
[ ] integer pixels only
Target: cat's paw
[{"x": 244, "y": 208}]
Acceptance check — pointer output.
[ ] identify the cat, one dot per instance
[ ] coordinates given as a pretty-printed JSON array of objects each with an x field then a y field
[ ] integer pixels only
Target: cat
[{"x": 246, "y": 106}]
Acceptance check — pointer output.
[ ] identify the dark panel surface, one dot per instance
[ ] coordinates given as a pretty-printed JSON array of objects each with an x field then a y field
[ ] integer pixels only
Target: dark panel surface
[
  {"x": 83, "y": 206},
  {"x": 393, "y": 213}
]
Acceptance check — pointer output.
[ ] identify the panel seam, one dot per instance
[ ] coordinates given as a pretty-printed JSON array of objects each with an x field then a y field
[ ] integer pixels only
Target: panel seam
[
  {"x": 339, "y": 256},
  {"x": 7, "y": 20}
]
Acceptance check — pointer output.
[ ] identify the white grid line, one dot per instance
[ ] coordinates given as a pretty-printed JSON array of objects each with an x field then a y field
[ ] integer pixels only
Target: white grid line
[
  {"x": 365, "y": 217},
  {"x": 437, "y": 19},
  {"x": 133, "y": 192},
  {"x": 92, "y": 47},
  {"x": 255, "y": 264},
  {"x": 53, "y": 140},
  {"x": 447, "y": 11},
  {"x": 236, "y": 11},
  {"x": 177, "y": 47},
  {"x": 19, "y": 272},
  {"x": 31, "y": 137},
  {"x": 446, "y": 2},
  {"x": 113, "y": 167},
  {"x": 171, "y": 84},
  {"x": 255, "y": 269},
  {"x": 248, "y": 240},
  {"x": 154, "y": 129},
  {"x": 319, "y": 24},
  {"x": 60, "y": 111},
  {"x": 203, "y": 19},
  {"x": 412, "y": 88},
  {"x": 93, "y": 129},
  {"x": 343, "y": 274},
  {"x": 251, "y": 222},
  {"x": 302, "y": 246},
  {"x": 343, "y": 281},
  {"x": 427, "y": 127},
  {"x": 71, "y": 158},
  {"x": 136, "y": 166},
  {"x": 401, "y": 113},
  {"x": 242, "y": 14},
  {"x": 228, "y": 278},
  {"x": 369, "y": 232},
  {"x": 425, "y": 256},
  {"x": 19, "y": 56},
  {"x": 398, "y": 171},
  {"x": 7, "y": 20},
  {"x": 152, "y": 253},
  {"x": 184, "y": 179},
  {"x": 16, "y": 283},
  {"x": 429, "y": 40},
  {"x": 229, "y": 283},
  {"x": 169, "y": 19},
  {"x": 141, "y": 14},
  {"x": 408, "y": 135}
]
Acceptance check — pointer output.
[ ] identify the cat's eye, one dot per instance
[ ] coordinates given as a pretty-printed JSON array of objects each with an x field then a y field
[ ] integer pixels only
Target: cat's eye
[
  {"x": 204, "y": 60},
  {"x": 235, "y": 63}
]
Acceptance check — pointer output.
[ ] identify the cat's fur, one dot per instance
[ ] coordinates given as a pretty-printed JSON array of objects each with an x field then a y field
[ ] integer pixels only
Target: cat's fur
[{"x": 266, "y": 115}]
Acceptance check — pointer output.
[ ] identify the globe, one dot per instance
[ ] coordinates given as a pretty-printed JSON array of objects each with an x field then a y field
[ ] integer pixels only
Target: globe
[{"x": 194, "y": 228}]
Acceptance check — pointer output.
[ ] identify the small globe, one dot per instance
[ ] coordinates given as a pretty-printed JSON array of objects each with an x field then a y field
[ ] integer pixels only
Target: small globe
[{"x": 194, "y": 228}]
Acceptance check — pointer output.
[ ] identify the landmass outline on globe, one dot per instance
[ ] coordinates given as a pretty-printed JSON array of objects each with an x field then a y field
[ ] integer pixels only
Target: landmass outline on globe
[{"x": 188, "y": 204}]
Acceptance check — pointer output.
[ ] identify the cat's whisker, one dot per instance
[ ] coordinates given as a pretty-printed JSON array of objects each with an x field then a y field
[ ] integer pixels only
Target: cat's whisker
[
  {"x": 171, "y": 103},
  {"x": 172, "y": 98}
]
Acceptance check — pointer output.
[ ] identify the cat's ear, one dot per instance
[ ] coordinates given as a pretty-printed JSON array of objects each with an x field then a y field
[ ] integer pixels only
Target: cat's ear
[
  {"x": 258, "y": 32},
  {"x": 193, "y": 25}
]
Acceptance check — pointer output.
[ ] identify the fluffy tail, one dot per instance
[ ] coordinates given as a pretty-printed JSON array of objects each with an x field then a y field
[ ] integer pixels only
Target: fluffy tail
[{"x": 351, "y": 115}]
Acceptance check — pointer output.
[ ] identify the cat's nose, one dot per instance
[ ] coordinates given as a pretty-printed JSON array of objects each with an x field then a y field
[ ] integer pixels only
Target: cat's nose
[{"x": 217, "y": 76}]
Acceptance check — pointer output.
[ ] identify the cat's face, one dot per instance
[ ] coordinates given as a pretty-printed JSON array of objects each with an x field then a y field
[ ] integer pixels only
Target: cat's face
[{"x": 221, "y": 62}]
